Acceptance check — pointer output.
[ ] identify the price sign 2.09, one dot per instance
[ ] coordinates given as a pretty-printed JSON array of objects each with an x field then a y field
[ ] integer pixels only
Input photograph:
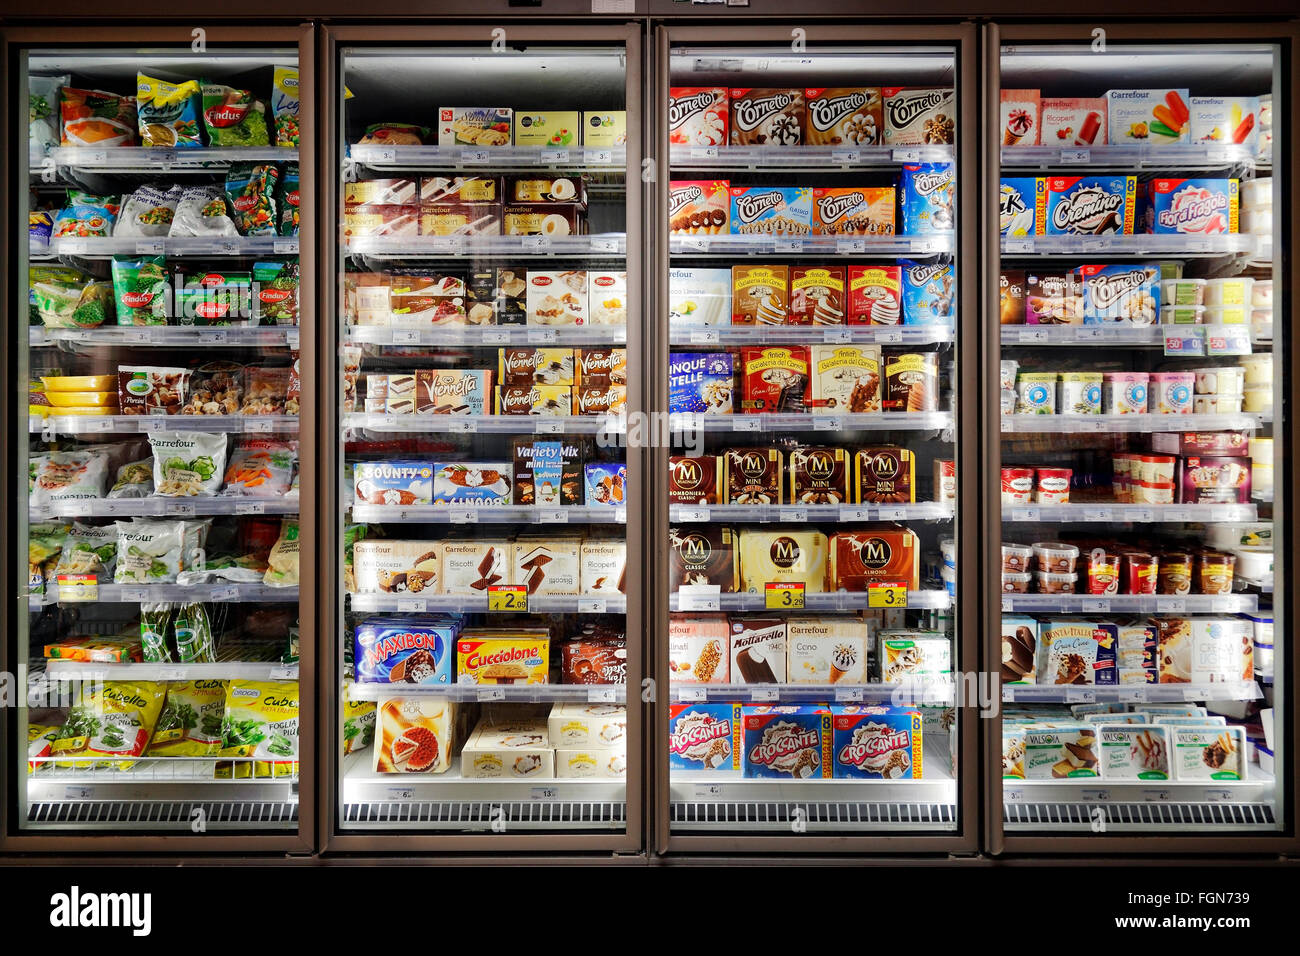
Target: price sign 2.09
[{"x": 508, "y": 598}]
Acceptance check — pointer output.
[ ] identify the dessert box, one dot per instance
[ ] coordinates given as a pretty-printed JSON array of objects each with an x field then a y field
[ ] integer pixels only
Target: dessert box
[
  {"x": 843, "y": 116},
  {"x": 786, "y": 742},
  {"x": 705, "y": 737},
  {"x": 771, "y": 211},
  {"x": 917, "y": 116},
  {"x": 876, "y": 743},
  {"x": 1020, "y": 117},
  {"x": 825, "y": 649},
  {"x": 697, "y": 116},
  {"x": 699, "y": 207},
  {"x": 519, "y": 749},
  {"x": 1086, "y": 205},
  {"x": 766, "y": 117},
  {"x": 790, "y": 556},
  {"x": 757, "y": 648},
  {"x": 697, "y": 649},
  {"x": 1072, "y": 121}
]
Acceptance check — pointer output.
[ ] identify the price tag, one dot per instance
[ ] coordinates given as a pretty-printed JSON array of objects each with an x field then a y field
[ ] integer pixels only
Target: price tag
[
  {"x": 1094, "y": 425},
  {"x": 704, "y": 336},
  {"x": 1025, "y": 246},
  {"x": 793, "y": 514},
  {"x": 494, "y": 337},
  {"x": 704, "y": 152},
  {"x": 591, "y": 606},
  {"x": 553, "y": 516},
  {"x": 1089, "y": 333},
  {"x": 250, "y": 507},
  {"x": 490, "y": 693},
  {"x": 131, "y": 595},
  {"x": 152, "y": 423},
  {"x": 687, "y": 421},
  {"x": 1218, "y": 605},
  {"x": 889, "y": 336},
  {"x": 535, "y": 243},
  {"x": 699, "y": 597},
  {"x": 907, "y": 155},
  {"x": 462, "y": 425},
  {"x": 1075, "y": 156},
  {"x": 1012, "y": 796},
  {"x": 74, "y": 247},
  {"x": 855, "y": 514},
  {"x": 412, "y": 605},
  {"x": 835, "y": 336},
  {"x": 257, "y": 424},
  {"x": 226, "y": 247},
  {"x": 1138, "y": 514},
  {"x": 401, "y": 793},
  {"x": 692, "y": 244},
  {"x": 183, "y": 509},
  {"x": 461, "y": 515},
  {"x": 78, "y": 793},
  {"x": 285, "y": 672},
  {"x": 1025, "y": 514},
  {"x": 1080, "y": 695},
  {"x": 787, "y": 245},
  {"x": 693, "y": 514},
  {"x": 406, "y": 336},
  {"x": 1130, "y": 695},
  {"x": 544, "y": 793},
  {"x": 784, "y": 596},
  {"x": 1099, "y": 605},
  {"x": 692, "y": 695},
  {"x": 601, "y": 695},
  {"x": 845, "y": 157},
  {"x": 604, "y": 244},
  {"x": 848, "y": 694},
  {"x": 102, "y": 424},
  {"x": 554, "y": 156},
  {"x": 473, "y": 155},
  {"x": 78, "y": 587},
  {"x": 284, "y": 247},
  {"x": 922, "y": 246},
  {"x": 449, "y": 245},
  {"x": 137, "y": 337},
  {"x": 747, "y": 424},
  {"x": 764, "y": 694},
  {"x": 1096, "y": 514},
  {"x": 598, "y": 157},
  {"x": 1093, "y": 245},
  {"x": 154, "y": 248},
  {"x": 507, "y": 598},
  {"x": 887, "y": 595},
  {"x": 225, "y": 592},
  {"x": 548, "y": 426},
  {"x": 541, "y": 336},
  {"x": 851, "y": 247},
  {"x": 1172, "y": 605},
  {"x": 892, "y": 513},
  {"x": 212, "y": 337},
  {"x": 828, "y": 423},
  {"x": 171, "y": 673}
]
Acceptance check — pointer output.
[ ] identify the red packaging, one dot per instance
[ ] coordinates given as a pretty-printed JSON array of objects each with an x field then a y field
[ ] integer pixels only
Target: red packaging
[
  {"x": 596, "y": 661},
  {"x": 1103, "y": 573},
  {"x": 1200, "y": 443},
  {"x": 774, "y": 379},
  {"x": 697, "y": 116},
  {"x": 945, "y": 480},
  {"x": 875, "y": 295},
  {"x": 1141, "y": 571},
  {"x": 1017, "y": 486},
  {"x": 1222, "y": 480},
  {"x": 1053, "y": 486}
]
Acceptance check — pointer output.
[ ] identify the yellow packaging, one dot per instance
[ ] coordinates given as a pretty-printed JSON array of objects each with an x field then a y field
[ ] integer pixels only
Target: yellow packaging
[
  {"x": 40, "y": 738},
  {"x": 261, "y": 720},
  {"x": 605, "y": 128},
  {"x": 116, "y": 719},
  {"x": 503, "y": 657},
  {"x": 80, "y": 383},
  {"x": 358, "y": 722},
  {"x": 190, "y": 722},
  {"x": 63, "y": 399},
  {"x": 555, "y": 128}
]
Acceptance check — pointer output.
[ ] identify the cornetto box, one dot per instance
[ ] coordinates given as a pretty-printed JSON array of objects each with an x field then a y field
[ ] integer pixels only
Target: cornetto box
[
  {"x": 704, "y": 737},
  {"x": 875, "y": 743},
  {"x": 704, "y": 554},
  {"x": 695, "y": 481},
  {"x": 879, "y": 555},
  {"x": 786, "y": 742},
  {"x": 844, "y": 116}
]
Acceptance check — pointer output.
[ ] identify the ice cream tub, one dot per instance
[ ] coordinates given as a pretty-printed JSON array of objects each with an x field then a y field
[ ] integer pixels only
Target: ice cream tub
[
  {"x": 1080, "y": 393},
  {"x": 1227, "y": 314},
  {"x": 1261, "y": 293},
  {"x": 1182, "y": 291},
  {"x": 1220, "y": 380},
  {"x": 1017, "y": 486},
  {"x": 1209, "y": 753},
  {"x": 1141, "y": 572},
  {"x": 1254, "y": 562},
  {"x": 1214, "y": 571},
  {"x": 1124, "y": 393},
  {"x": 1259, "y": 369},
  {"x": 1257, "y": 193},
  {"x": 1233, "y": 290},
  {"x": 1170, "y": 393},
  {"x": 1175, "y": 573},
  {"x": 949, "y": 577},
  {"x": 1055, "y": 556},
  {"x": 1217, "y": 404},
  {"x": 1103, "y": 573},
  {"x": 1182, "y": 315},
  {"x": 1053, "y": 486},
  {"x": 948, "y": 549},
  {"x": 1013, "y": 583},
  {"x": 1016, "y": 557},
  {"x": 1050, "y": 583},
  {"x": 1007, "y": 373},
  {"x": 1257, "y": 222},
  {"x": 1258, "y": 401},
  {"x": 1036, "y": 393}
]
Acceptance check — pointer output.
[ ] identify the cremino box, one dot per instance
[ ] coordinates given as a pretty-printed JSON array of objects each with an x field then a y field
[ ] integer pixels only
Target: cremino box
[{"x": 1086, "y": 205}]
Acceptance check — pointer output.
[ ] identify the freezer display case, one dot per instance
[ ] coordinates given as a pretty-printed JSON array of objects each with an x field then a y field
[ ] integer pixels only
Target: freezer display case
[
  {"x": 155, "y": 463},
  {"x": 1142, "y": 371},
  {"x": 808, "y": 316},
  {"x": 489, "y": 505}
]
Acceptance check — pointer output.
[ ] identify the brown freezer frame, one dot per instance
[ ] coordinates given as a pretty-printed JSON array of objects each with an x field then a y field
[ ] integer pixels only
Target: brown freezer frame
[
  {"x": 12, "y": 210},
  {"x": 330, "y": 838},
  {"x": 1287, "y": 35},
  {"x": 964, "y": 840}
]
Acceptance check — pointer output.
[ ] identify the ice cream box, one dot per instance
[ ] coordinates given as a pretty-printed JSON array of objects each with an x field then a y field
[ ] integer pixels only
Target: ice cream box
[
  {"x": 536, "y": 366},
  {"x": 843, "y": 117},
  {"x": 1073, "y": 651},
  {"x": 1013, "y": 752},
  {"x": 604, "y": 571},
  {"x": 559, "y": 128},
  {"x": 786, "y": 741},
  {"x": 880, "y": 555},
  {"x": 547, "y": 565},
  {"x": 697, "y": 116},
  {"x": 929, "y": 292},
  {"x": 926, "y": 192},
  {"x": 1127, "y": 293},
  {"x": 757, "y": 648},
  {"x": 600, "y": 400},
  {"x": 414, "y": 735},
  {"x": 771, "y": 210},
  {"x": 785, "y": 556},
  {"x": 853, "y": 211},
  {"x": 701, "y": 382},
  {"x": 590, "y": 763},
  {"x": 1055, "y": 751},
  {"x": 443, "y": 391},
  {"x": 1214, "y": 480},
  {"x": 825, "y": 650},
  {"x": 550, "y": 219},
  {"x": 521, "y": 657},
  {"x": 875, "y": 295},
  {"x": 760, "y": 294},
  {"x": 766, "y": 117},
  {"x": 1225, "y": 119},
  {"x": 704, "y": 555},
  {"x": 469, "y": 567},
  {"x": 1148, "y": 117},
  {"x": 549, "y": 400},
  {"x": 916, "y": 116},
  {"x": 576, "y": 724},
  {"x": 1019, "y": 117},
  {"x": 605, "y": 483},
  {"x": 1209, "y": 753},
  {"x": 1194, "y": 206},
  {"x": 1017, "y": 197},
  {"x": 474, "y": 126},
  {"x": 607, "y": 297},
  {"x": 704, "y": 737},
  {"x": 395, "y": 567},
  {"x": 604, "y": 128},
  {"x": 699, "y": 207},
  {"x": 695, "y": 480},
  {"x": 697, "y": 649},
  {"x": 875, "y": 743},
  {"x": 902, "y": 655},
  {"x": 816, "y": 296},
  {"x": 1072, "y": 121},
  {"x": 1086, "y": 205},
  {"x": 557, "y": 298},
  {"x": 1019, "y": 648},
  {"x": 699, "y": 296},
  {"x": 844, "y": 378},
  {"x": 414, "y": 650},
  {"x": 515, "y": 749},
  {"x": 477, "y": 482},
  {"x": 393, "y": 482},
  {"x": 775, "y": 378},
  {"x": 1133, "y": 751},
  {"x": 1205, "y": 650},
  {"x": 754, "y": 476}
]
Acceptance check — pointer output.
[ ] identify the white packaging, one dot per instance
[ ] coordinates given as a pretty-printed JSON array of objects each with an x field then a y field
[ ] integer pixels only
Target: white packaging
[
  {"x": 697, "y": 649},
  {"x": 1234, "y": 290},
  {"x": 462, "y": 561},
  {"x": 396, "y": 567},
  {"x": 573, "y": 724},
  {"x": 699, "y": 296},
  {"x": 1056, "y": 751},
  {"x": 607, "y": 298},
  {"x": 590, "y": 763},
  {"x": 757, "y": 650},
  {"x": 516, "y": 750},
  {"x": 1133, "y": 751},
  {"x": 1209, "y": 753},
  {"x": 1080, "y": 393},
  {"x": 905, "y": 654},
  {"x": 602, "y": 566},
  {"x": 187, "y": 463},
  {"x": 1256, "y": 194},
  {"x": 547, "y": 565},
  {"x": 557, "y": 298},
  {"x": 826, "y": 650}
]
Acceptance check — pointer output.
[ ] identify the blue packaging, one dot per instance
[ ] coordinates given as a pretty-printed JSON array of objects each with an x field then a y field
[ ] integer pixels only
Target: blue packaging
[
  {"x": 929, "y": 292},
  {"x": 786, "y": 742},
  {"x": 606, "y": 483},
  {"x": 413, "y": 650},
  {"x": 771, "y": 210},
  {"x": 701, "y": 382},
  {"x": 479, "y": 482},
  {"x": 393, "y": 482},
  {"x": 927, "y": 191},
  {"x": 1086, "y": 205},
  {"x": 1127, "y": 292},
  {"x": 704, "y": 737},
  {"x": 875, "y": 743},
  {"x": 1017, "y": 198}
]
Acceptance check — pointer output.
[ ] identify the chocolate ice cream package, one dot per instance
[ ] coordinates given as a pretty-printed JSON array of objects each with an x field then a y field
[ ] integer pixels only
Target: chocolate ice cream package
[
  {"x": 410, "y": 650},
  {"x": 771, "y": 211},
  {"x": 844, "y": 378},
  {"x": 1053, "y": 298},
  {"x": 919, "y": 116},
  {"x": 1214, "y": 480},
  {"x": 606, "y": 483},
  {"x": 786, "y": 741},
  {"x": 481, "y": 483},
  {"x": 766, "y": 117},
  {"x": 697, "y": 649},
  {"x": 753, "y": 476},
  {"x": 1204, "y": 650},
  {"x": 1198, "y": 207},
  {"x": 1209, "y": 753},
  {"x": 784, "y": 556},
  {"x": 547, "y": 565},
  {"x": 393, "y": 482},
  {"x": 1019, "y": 646},
  {"x": 929, "y": 292},
  {"x": 704, "y": 554},
  {"x": 876, "y": 555},
  {"x": 875, "y": 743},
  {"x": 760, "y": 294},
  {"x": 875, "y": 295},
  {"x": 911, "y": 381},
  {"x": 469, "y": 567},
  {"x": 884, "y": 474},
  {"x": 1086, "y": 205},
  {"x": 699, "y": 207},
  {"x": 1132, "y": 751},
  {"x": 843, "y": 116},
  {"x": 445, "y": 391},
  {"x": 1060, "y": 750},
  {"x": 548, "y": 400},
  {"x": 775, "y": 378},
  {"x": 854, "y": 211},
  {"x": 816, "y": 296},
  {"x": 827, "y": 649},
  {"x": 926, "y": 195},
  {"x": 696, "y": 480},
  {"x": 395, "y": 567},
  {"x": 536, "y": 366},
  {"x": 818, "y": 476},
  {"x": 1017, "y": 199},
  {"x": 704, "y": 737},
  {"x": 701, "y": 382},
  {"x": 603, "y": 564},
  {"x": 757, "y": 649},
  {"x": 1128, "y": 292},
  {"x": 1073, "y": 651},
  {"x": 548, "y": 473}
]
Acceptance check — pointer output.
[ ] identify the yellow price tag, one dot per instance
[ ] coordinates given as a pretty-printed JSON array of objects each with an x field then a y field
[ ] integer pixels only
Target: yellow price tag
[
  {"x": 507, "y": 597},
  {"x": 78, "y": 587},
  {"x": 887, "y": 595},
  {"x": 784, "y": 596}
]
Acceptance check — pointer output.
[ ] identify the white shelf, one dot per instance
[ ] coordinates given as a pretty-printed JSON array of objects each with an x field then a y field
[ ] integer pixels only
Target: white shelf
[
  {"x": 930, "y": 599},
  {"x": 1135, "y": 156},
  {"x": 494, "y": 424},
  {"x": 1175, "y": 806},
  {"x": 1140, "y": 514},
  {"x": 231, "y": 670},
  {"x": 467, "y": 513},
  {"x": 1130, "y": 693},
  {"x": 121, "y": 159},
  {"x": 217, "y": 591},
  {"x": 489, "y": 335},
  {"x": 457, "y": 603},
  {"x": 510, "y": 693},
  {"x": 702, "y": 786},
  {"x": 89, "y": 424},
  {"x": 173, "y": 336},
  {"x": 245, "y": 246},
  {"x": 804, "y": 157},
  {"x": 469, "y": 158},
  {"x": 838, "y": 514},
  {"x": 1134, "y": 603},
  {"x": 772, "y": 423},
  {"x": 165, "y": 507},
  {"x": 1082, "y": 424},
  {"x": 810, "y": 335},
  {"x": 1139, "y": 245},
  {"x": 765, "y": 245},
  {"x": 611, "y": 245},
  {"x": 1111, "y": 334},
  {"x": 911, "y": 694}
]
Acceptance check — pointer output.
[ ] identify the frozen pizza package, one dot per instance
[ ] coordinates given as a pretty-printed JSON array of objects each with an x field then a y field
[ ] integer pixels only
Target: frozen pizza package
[
  {"x": 149, "y": 211},
  {"x": 187, "y": 463},
  {"x": 203, "y": 211},
  {"x": 169, "y": 112}
]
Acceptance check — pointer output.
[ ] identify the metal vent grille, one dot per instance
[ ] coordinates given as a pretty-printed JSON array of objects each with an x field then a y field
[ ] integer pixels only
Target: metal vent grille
[
  {"x": 1139, "y": 816},
  {"x": 719, "y": 815},
  {"x": 135, "y": 814},
  {"x": 458, "y": 815}
]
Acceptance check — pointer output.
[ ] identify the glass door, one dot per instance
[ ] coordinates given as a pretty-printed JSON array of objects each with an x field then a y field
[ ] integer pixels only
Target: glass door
[
  {"x": 1141, "y": 391},
  {"x": 154, "y": 421},
  {"x": 489, "y": 365},
  {"x": 810, "y": 553}
]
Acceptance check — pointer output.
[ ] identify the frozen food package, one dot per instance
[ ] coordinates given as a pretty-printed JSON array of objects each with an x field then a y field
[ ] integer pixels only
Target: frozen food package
[
  {"x": 148, "y": 212},
  {"x": 358, "y": 721},
  {"x": 275, "y": 292},
  {"x": 192, "y": 630},
  {"x": 283, "y": 568},
  {"x": 233, "y": 117},
  {"x": 40, "y": 740},
  {"x": 67, "y": 475},
  {"x": 141, "y": 290},
  {"x": 266, "y": 391},
  {"x": 113, "y": 719},
  {"x": 190, "y": 722},
  {"x": 414, "y": 735},
  {"x": 169, "y": 112},
  {"x": 284, "y": 106},
  {"x": 187, "y": 463},
  {"x": 133, "y": 480},
  {"x": 394, "y": 134},
  {"x": 202, "y": 211},
  {"x": 261, "y": 721},
  {"x": 43, "y": 115},
  {"x": 251, "y": 192},
  {"x": 216, "y": 388},
  {"x": 98, "y": 119},
  {"x": 214, "y": 298},
  {"x": 155, "y": 625},
  {"x": 288, "y": 201},
  {"x": 85, "y": 217},
  {"x": 261, "y": 467},
  {"x": 149, "y": 552},
  {"x": 65, "y": 298},
  {"x": 89, "y": 549}
]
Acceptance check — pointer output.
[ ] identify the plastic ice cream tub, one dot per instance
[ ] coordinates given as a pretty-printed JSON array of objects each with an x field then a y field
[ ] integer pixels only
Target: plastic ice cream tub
[
  {"x": 1049, "y": 583},
  {"x": 1237, "y": 314},
  {"x": 1170, "y": 393},
  {"x": 1080, "y": 393},
  {"x": 1217, "y": 405},
  {"x": 1016, "y": 558},
  {"x": 948, "y": 548},
  {"x": 1182, "y": 315},
  {"x": 1017, "y": 485},
  {"x": 1007, "y": 373},
  {"x": 1256, "y": 193},
  {"x": 1055, "y": 557},
  {"x": 1254, "y": 563},
  {"x": 1052, "y": 486},
  {"x": 1221, "y": 380},
  {"x": 1258, "y": 401},
  {"x": 1125, "y": 393},
  {"x": 1261, "y": 450},
  {"x": 1036, "y": 393},
  {"x": 1257, "y": 222},
  {"x": 1016, "y": 583},
  {"x": 1234, "y": 290},
  {"x": 1182, "y": 292},
  {"x": 1259, "y": 368},
  {"x": 949, "y": 576}
]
